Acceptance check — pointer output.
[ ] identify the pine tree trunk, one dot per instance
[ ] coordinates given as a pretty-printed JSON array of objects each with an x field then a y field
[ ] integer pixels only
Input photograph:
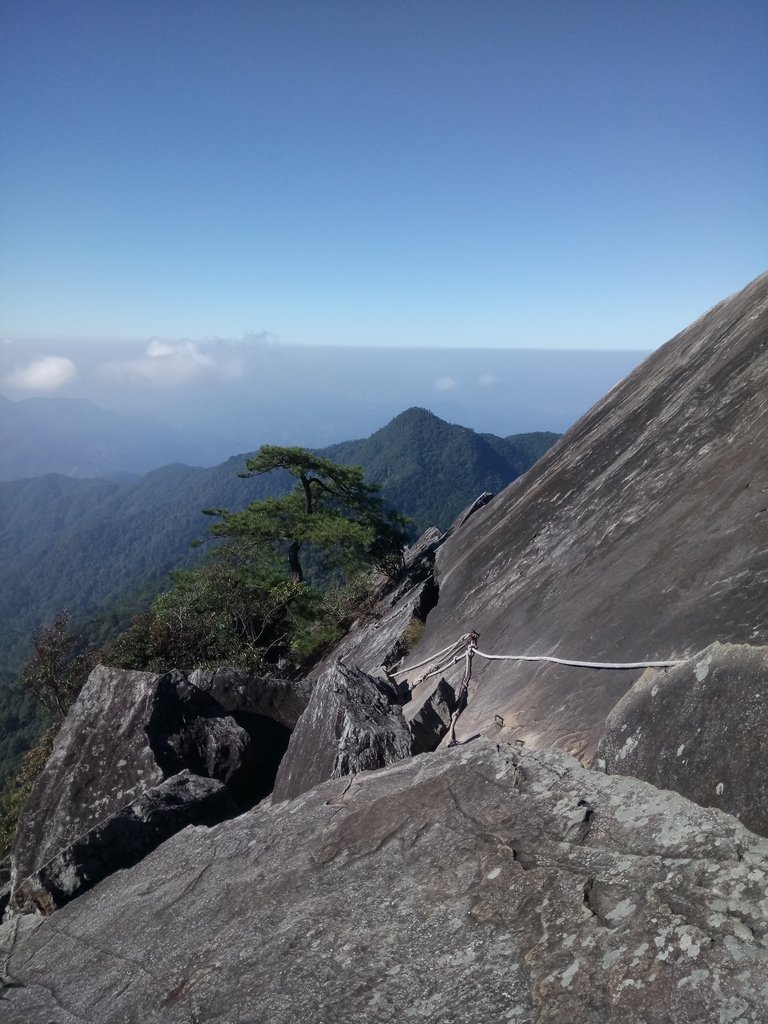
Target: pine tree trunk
[{"x": 294, "y": 563}]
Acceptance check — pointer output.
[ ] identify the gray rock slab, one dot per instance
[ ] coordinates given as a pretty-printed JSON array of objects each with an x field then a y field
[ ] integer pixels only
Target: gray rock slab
[
  {"x": 699, "y": 728},
  {"x": 5, "y": 884},
  {"x": 349, "y": 726},
  {"x": 474, "y": 885},
  {"x": 125, "y": 734},
  {"x": 122, "y": 839},
  {"x": 12, "y": 933},
  {"x": 429, "y": 716},
  {"x": 424, "y": 547},
  {"x": 480, "y": 502},
  {"x": 639, "y": 536},
  {"x": 241, "y": 691}
]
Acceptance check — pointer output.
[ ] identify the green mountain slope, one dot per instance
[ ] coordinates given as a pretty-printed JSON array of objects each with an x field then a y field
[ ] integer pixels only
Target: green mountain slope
[
  {"x": 430, "y": 470},
  {"x": 80, "y": 544}
]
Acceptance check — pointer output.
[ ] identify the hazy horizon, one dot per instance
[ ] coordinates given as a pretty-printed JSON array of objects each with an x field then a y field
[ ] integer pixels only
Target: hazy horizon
[{"x": 316, "y": 396}]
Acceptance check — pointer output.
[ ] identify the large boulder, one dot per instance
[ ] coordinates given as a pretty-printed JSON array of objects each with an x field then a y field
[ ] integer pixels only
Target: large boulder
[
  {"x": 699, "y": 728},
  {"x": 242, "y": 692},
  {"x": 349, "y": 726},
  {"x": 640, "y": 536},
  {"x": 429, "y": 716},
  {"x": 126, "y": 733},
  {"x": 474, "y": 885},
  {"x": 123, "y": 838}
]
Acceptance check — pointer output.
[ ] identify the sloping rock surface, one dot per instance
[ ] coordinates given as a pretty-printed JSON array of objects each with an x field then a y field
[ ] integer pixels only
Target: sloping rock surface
[
  {"x": 472, "y": 885},
  {"x": 699, "y": 728},
  {"x": 126, "y": 733},
  {"x": 349, "y": 726},
  {"x": 122, "y": 839},
  {"x": 640, "y": 536},
  {"x": 380, "y": 637}
]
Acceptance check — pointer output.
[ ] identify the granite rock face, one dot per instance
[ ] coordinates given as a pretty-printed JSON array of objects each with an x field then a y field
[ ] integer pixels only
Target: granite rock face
[
  {"x": 429, "y": 717},
  {"x": 242, "y": 692},
  {"x": 122, "y": 839},
  {"x": 5, "y": 885},
  {"x": 699, "y": 728},
  {"x": 471, "y": 885},
  {"x": 349, "y": 726},
  {"x": 126, "y": 733},
  {"x": 640, "y": 536}
]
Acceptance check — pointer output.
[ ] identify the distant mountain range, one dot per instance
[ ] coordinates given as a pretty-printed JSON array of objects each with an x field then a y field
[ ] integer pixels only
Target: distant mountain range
[
  {"x": 103, "y": 547},
  {"x": 76, "y": 438}
]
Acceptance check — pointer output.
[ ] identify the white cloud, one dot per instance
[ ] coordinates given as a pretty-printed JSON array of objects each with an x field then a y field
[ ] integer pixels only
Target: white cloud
[
  {"x": 45, "y": 374},
  {"x": 487, "y": 380},
  {"x": 445, "y": 384},
  {"x": 170, "y": 363}
]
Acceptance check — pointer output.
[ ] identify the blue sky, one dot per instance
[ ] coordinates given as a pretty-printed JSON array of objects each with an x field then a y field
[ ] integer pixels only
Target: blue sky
[{"x": 561, "y": 174}]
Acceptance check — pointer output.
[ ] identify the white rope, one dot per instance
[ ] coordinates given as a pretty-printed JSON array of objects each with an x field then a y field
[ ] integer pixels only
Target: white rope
[
  {"x": 433, "y": 657},
  {"x": 440, "y": 667},
  {"x": 467, "y": 642},
  {"x": 466, "y": 648},
  {"x": 579, "y": 664}
]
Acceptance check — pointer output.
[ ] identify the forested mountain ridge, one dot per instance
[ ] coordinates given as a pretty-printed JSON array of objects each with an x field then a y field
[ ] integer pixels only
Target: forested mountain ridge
[
  {"x": 429, "y": 469},
  {"x": 80, "y": 544},
  {"x": 103, "y": 548}
]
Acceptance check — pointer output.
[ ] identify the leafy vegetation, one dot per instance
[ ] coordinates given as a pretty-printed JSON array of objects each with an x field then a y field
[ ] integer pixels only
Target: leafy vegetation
[
  {"x": 54, "y": 675},
  {"x": 22, "y": 720},
  {"x": 330, "y": 508},
  {"x": 251, "y": 603},
  {"x": 223, "y": 613},
  {"x": 58, "y": 668}
]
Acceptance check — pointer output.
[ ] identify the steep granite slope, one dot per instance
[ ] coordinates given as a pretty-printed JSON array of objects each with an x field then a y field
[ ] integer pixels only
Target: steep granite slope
[{"x": 643, "y": 534}]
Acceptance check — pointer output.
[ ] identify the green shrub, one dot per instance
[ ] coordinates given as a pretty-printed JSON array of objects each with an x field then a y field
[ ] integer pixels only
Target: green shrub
[{"x": 414, "y": 631}]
